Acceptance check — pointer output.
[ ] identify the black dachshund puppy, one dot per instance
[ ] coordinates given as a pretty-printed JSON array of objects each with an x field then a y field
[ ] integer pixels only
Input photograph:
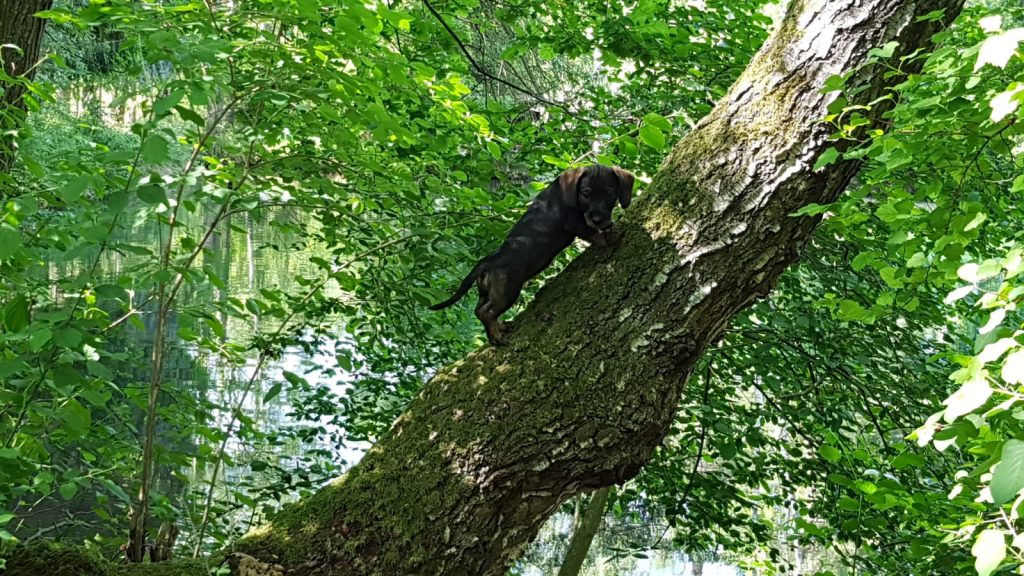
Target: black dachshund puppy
[{"x": 578, "y": 204}]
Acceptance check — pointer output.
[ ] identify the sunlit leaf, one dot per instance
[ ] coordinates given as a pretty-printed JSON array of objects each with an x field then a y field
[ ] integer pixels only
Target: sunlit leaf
[
  {"x": 989, "y": 551},
  {"x": 1008, "y": 476}
]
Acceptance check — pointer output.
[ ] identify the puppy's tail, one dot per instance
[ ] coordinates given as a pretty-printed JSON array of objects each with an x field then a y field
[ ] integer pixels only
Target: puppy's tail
[{"x": 467, "y": 283}]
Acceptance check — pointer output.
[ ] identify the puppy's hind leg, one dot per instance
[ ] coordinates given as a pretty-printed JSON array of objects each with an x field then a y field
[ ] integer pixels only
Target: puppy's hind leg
[
  {"x": 501, "y": 295},
  {"x": 492, "y": 305}
]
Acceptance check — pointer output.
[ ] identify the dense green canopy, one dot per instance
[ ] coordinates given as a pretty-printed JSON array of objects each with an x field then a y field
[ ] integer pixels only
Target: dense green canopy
[{"x": 223, "y": 222}]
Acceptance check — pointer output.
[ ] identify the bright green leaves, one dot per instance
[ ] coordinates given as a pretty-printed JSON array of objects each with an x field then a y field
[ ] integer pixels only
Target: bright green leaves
[
  {"x": 10, "y": 241},
  {"x": 998, "y": 49},
  {"x": 1007, "y": 102},
  {"x": 652, "y": 132},
  {"x": 152, "y": 194},
  {"x": 76, "y": 417},
  {"x": 989, "y": 550},
  {"x": 1012, "y": 371},
  {"x": 828, "y": 157},
  {"x": 1008, "y": 476},
  {"x": 164, "y": 105},
  {"x": 154, "y": 149},
  {"x": 830, "y": 453},
  {"x": 16, "y": 313},
  {"x": 652, "y": 136},
  {"x": 73, "y": 190}
]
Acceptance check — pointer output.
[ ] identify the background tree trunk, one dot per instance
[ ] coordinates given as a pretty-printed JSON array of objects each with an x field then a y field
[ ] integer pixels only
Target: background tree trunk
[
  {"x": 583, "y": 534},
  {"x": 590, "y": 383},
  {"x": 18, "y": 28}
]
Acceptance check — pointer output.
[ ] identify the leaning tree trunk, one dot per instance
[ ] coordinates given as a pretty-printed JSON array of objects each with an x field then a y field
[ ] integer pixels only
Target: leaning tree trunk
[
  {"x": 590, "y": 383},
  {"x": 18, "y": 28}
]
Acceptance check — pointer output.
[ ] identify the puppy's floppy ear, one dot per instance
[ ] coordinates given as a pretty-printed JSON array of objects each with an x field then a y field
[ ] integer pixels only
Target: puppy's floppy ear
[
  {"x": 625, "y": 186},
  {"x": 568, "y": 181}
]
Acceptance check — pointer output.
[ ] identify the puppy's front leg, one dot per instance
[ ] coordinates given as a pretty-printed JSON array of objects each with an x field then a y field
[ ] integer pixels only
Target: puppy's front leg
[{"x": 603, "y": 239}]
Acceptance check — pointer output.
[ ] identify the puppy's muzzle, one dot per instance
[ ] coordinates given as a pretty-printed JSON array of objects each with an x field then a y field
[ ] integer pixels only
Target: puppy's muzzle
[{"x": 600, "y": 226}]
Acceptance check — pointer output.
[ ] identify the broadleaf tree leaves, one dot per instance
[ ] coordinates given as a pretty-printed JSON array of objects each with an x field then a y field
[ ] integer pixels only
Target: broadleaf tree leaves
[
  {"x": 152, "y": 194},
  {"x": 652, "y": 136},
  {"x": 68, "y": 490},
  {"x": 1008, "y": 476},
  {"x": 10, "y": 241},
  {"x": 828, "y": 157},
  {"x": 997, "y": 50},
  {"x": 989, "y": 551},
  {"x": 16, "y": 313},
  {"x": 154, "y": 149},
  {"x": 830, "y": 453}
]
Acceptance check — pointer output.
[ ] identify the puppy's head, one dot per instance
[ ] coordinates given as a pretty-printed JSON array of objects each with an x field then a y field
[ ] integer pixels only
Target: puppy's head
[{"x": 595, "y": 190}]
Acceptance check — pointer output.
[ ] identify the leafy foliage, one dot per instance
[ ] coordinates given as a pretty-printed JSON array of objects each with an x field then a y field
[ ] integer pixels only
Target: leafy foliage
[{"x": 365, "y": 155}]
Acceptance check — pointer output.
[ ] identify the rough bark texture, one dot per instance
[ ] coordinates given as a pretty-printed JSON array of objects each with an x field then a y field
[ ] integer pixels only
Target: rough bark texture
[
  {"x": 18, "y": 28},
  {"x": 589, "y": 385},
  {"x": 584, "y": 533}
]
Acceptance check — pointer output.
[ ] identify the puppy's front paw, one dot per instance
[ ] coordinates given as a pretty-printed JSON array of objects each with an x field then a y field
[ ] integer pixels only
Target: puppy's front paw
[{"x": 612, "y": 237}]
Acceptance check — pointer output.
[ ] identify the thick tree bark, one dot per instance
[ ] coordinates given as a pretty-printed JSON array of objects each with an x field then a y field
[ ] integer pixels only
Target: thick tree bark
[
  {"x": 590, "y": 383},
  {"x": 18, "y": 28},
  {"x": 583, "y": 535}
]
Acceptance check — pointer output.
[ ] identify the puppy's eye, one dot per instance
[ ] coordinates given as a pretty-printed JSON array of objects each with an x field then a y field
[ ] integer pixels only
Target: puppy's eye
[{"x": 585, "y": 193}]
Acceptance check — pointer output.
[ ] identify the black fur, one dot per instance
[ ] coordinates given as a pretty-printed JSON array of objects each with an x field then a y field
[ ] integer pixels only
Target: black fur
[{"x": 578, "y": 204}]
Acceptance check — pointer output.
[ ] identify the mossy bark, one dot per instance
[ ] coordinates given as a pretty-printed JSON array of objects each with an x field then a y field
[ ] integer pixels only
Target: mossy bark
[{"x": 590, "y": 382}]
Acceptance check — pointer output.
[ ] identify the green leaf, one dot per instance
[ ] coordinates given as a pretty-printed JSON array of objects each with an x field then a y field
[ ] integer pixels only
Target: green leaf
[
  {"x": 273, "y": 392},
  {"x": 154, "y": 149},
  {"x": 16, "y": 314},
  {"x": 1013, "y": 368},
  {"x": 67, "y": 337},
  {"x": 652, "y": 137},
  {"x": 830, "y": 453},
  {"x": 972, "y": 395},
  {"x": 152, "y": 194},
  {"x": 812, "y": 209},
  {"x": 885, "y": 51},
  {"x": 557, "y": 162},
  {"x": 997, "y": 50},
  {"x": 907, "y": 460},
  {"x": 493, "y": 149},
  {"x": 164, "y": 105},
  {"x": 39, "y": 338},
  {"x": 68, "y": 490},
  {"x": 658, "y": 121},
  {"x": 73, "y": 190},
  {"x": 10, "y": 241},
  {"x": 989, "y": 550},
  {"x": 190, "y": 115},
  {"x": 77, "y": 418},
  {"x": 1008, "y": 477},
  {"x": 111, "y": 291},
  {"x": 851, "y": 310},
  {"x": 833, "y": 83},
  {"x": 829, "y": 156},
  {"x": 847, "y": 503}
]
